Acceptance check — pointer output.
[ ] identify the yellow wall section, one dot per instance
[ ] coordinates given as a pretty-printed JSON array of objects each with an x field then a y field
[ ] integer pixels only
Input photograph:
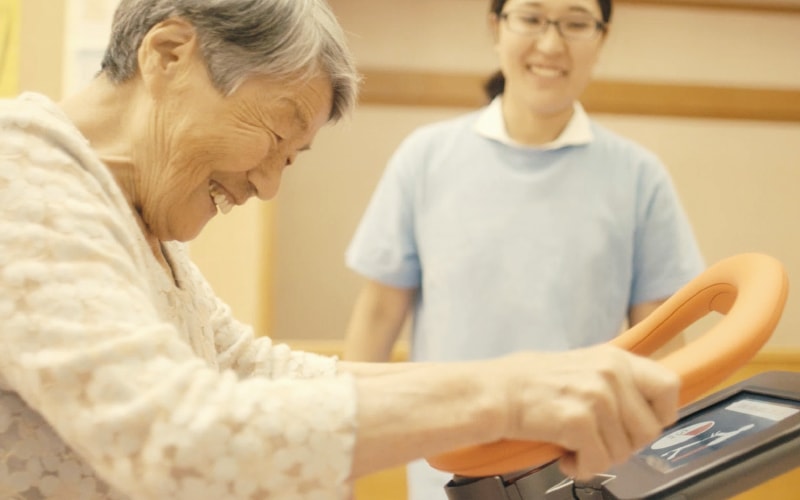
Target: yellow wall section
[
  {"x": 9, "y": 47},
  {"x": 41, "y": 42}
]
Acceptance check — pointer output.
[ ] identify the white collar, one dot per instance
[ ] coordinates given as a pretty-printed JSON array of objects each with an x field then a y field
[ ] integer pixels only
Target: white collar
[{"x": 490, "y": 124}]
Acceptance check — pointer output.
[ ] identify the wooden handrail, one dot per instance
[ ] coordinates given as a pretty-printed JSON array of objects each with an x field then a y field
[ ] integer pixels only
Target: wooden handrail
[
  {"x": 752, "y": 5},
  {"x": 769, "y": 357},
  {"x": 432, "y": 89}
]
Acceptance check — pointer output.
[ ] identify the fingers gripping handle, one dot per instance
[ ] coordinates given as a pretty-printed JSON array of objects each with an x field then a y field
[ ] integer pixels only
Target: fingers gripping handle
[{"x": 749, "y": 289}]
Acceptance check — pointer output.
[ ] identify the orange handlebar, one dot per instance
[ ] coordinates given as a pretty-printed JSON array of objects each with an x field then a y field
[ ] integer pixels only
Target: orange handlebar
[{"x": 749, "y": 289}]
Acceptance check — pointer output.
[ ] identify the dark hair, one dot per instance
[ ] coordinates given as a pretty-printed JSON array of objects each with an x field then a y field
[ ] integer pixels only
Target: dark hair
[{"x": 496, "y": 83}]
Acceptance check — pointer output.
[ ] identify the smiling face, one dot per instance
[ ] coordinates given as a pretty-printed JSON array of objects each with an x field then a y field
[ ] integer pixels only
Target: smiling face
[
  {"x": 545, "y": 73},
  {"x": 202, "y": 152},
  {"x": 223, "y": 151}
]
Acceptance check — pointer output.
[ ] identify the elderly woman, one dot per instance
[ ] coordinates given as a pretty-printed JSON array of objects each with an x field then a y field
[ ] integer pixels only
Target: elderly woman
[{"x": 123, "y": 376}]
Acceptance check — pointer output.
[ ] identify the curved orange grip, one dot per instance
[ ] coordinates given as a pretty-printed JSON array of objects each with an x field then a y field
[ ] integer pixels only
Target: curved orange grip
[{"x": 750, "y": 289}]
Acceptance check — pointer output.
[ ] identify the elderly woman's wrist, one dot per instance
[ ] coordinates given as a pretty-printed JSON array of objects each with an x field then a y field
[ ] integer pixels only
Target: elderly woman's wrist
[{"x": 491, "y": 404}]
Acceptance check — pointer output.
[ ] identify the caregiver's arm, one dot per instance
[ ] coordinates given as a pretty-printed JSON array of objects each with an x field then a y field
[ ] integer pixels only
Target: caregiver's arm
[
  {"x": 377, "y": 319},
  {"x": 600, "y": 403}
]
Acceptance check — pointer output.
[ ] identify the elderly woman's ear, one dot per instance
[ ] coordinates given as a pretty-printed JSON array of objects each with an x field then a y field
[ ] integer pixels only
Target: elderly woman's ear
[{"x": 169, "y": 51}]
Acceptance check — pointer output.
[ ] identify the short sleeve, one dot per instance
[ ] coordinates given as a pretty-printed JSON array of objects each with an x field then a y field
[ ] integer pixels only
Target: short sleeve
[
  {"x": 384, "y": 247},
  {"x": 666, "y": 254}
]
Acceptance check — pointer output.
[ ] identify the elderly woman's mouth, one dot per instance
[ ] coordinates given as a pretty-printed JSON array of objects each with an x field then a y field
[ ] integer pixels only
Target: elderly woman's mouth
[{"x": 220, "y": 198}]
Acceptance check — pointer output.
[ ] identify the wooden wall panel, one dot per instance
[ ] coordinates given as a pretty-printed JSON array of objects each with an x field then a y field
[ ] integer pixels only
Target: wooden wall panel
[
  {"x": 751, "y": 5},
  {"x": 409, "y": 88}
]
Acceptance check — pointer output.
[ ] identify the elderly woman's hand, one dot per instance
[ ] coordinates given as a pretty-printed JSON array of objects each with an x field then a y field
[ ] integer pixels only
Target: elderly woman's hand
[{"x": 601, "y": 403}]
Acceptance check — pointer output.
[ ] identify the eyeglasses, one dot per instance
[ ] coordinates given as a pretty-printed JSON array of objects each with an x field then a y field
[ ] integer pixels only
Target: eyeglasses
[{"x": 571, "y": 26}]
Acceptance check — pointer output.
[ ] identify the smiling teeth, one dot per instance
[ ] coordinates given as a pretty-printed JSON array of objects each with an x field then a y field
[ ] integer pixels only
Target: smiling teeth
[
  {"x": 221, "y": 200},
  {"x": 546, "y": 72}
]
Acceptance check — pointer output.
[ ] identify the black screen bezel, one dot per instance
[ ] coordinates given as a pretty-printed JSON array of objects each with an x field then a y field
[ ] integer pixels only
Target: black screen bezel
[
  {"x": 638, "y": 479},
  {"x": 708, "y": 412}
]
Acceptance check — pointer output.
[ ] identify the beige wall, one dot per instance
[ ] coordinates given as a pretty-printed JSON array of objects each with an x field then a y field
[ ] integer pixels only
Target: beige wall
[
  {"x": 234, "y": 254},
  {"x": 738, "y": 179}
]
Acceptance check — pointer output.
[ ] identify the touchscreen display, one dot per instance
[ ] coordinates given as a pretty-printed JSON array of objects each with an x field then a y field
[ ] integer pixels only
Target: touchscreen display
[{"x": 715, "y": 427}]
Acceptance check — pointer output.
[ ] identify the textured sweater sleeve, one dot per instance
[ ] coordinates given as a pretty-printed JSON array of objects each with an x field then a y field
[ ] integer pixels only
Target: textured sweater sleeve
[
  {"x": 85, "y": 349},
  {"x": 238, "y": 349},
  {"x": 241, "y": 352}
]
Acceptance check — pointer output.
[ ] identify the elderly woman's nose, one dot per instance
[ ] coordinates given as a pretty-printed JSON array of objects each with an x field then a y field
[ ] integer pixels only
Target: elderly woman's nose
[{"x": 264, "y": 177}]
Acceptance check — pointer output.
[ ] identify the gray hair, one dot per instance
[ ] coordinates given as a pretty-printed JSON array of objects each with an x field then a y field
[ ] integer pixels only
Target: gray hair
[{"x": 240, "y": 38}]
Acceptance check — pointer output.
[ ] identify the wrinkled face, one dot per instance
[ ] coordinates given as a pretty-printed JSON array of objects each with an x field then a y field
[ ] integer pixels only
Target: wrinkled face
[
  {"x": 546, "y": 73},
  {"x": 207, "y": 153}
]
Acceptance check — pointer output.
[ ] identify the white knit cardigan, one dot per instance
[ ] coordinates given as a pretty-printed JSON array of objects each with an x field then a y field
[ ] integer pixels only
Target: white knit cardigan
[{"x": 118, "y": 381}]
